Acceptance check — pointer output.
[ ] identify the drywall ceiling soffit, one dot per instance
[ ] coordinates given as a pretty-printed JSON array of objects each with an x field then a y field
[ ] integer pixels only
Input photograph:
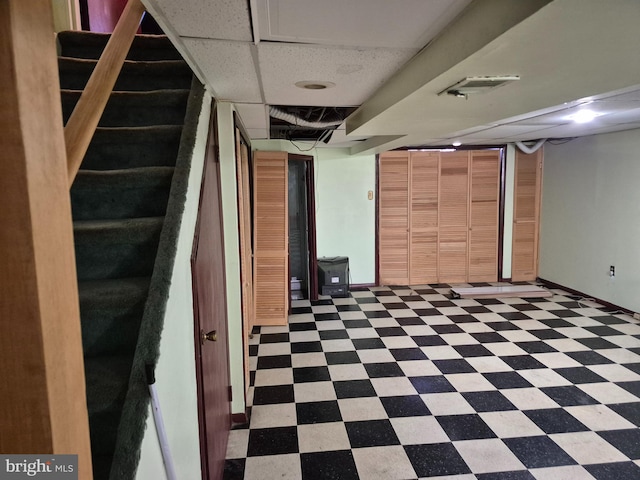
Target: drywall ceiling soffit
[
  {"x": 356, "y": 72},
  {"x": 228, "y": 68},
  {"x": 355, "y": 23},
  {"x": 555, "y": 50},
  {"x": 215, "y": 19}
]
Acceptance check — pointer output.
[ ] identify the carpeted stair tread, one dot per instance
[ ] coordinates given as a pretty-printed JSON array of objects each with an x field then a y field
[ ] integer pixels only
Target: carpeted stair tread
[
  {"x": 90, "y": 45},
  {"x": 111, "y": 311},
  {"x": 114, "y": 148},
  {"x": 116, "y": 248},
  {"x": 107, "y": 379},
  {"x": 134, "y": 76},
  {"x": 135, "y": 109},
  {"x": 120, "y": 194}
]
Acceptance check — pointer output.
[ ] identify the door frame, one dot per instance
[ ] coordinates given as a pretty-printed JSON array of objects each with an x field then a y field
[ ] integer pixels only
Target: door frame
[
  {"x": 211, "y": 156},
  {"x": 311, "y": 225}
]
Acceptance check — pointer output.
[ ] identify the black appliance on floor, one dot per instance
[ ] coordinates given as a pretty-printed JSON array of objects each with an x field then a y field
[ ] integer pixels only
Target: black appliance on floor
[{"x": 333, "y": 276}]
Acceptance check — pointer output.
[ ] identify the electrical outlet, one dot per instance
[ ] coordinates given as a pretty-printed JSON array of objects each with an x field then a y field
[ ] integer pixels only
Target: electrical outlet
[{"x": 612, "y": 271}]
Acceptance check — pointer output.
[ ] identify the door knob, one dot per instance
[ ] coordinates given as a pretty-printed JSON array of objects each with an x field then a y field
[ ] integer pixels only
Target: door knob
[{"x": 212, "y": 336}]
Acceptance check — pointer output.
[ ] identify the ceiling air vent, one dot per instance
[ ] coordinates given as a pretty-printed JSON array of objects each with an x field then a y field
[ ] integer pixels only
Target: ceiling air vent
[{"x": 474, "y": 85}]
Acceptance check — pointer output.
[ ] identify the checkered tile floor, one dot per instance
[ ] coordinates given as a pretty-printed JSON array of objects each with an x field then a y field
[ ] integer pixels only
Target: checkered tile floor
[{"x": 403, "y": 383}]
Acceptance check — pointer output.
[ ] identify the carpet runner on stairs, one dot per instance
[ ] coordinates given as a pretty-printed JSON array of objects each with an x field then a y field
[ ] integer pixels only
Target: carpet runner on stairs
[{"x": 119, "y": 201}]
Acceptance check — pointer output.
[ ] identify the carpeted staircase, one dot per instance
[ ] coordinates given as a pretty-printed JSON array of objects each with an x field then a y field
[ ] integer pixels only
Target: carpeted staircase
[{"x": 127, "y": 201}]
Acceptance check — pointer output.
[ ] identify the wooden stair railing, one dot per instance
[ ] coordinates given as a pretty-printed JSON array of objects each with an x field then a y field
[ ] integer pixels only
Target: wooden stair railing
[{"x": 86, "y": 115}]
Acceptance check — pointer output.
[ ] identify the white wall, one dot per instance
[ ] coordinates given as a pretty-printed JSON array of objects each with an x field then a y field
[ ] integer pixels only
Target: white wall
[
  {"x": 507, "y": 234},
  {"x": 591, "y": 216},
  {"x": 175, "y": 372},
  {"x": 345, "y": 218}
]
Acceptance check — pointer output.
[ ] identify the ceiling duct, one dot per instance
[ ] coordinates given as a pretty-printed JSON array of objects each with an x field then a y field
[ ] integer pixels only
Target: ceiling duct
[
  {"x": 474, "y": 85},
  {"x": 306, "y": 123}
]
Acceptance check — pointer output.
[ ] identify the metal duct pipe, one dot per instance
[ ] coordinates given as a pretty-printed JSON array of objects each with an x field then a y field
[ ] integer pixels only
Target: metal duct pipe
[{"x": 275, "y": 112}]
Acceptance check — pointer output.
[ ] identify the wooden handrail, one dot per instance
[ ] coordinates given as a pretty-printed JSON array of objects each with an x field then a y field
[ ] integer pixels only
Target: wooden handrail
[{"x": 86, "y": 115}]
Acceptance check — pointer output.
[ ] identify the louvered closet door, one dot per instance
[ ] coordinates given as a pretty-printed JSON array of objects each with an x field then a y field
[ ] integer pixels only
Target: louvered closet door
[
  {"x": 270, "y": 187},
  {"x": 394, "y": 218},
  {"x": 483, "y": 216},
  {"x": 454, "y": 201},
  {"x": 524, "y": 260},
  {"x": 423, "y": 214}
]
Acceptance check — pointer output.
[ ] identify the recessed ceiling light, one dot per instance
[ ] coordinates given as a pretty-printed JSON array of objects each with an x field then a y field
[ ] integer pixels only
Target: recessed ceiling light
[
  {"x": 583, "y": 116},
  {"x": 313, "y": 85},
  {"x": 456, "y": 144}
]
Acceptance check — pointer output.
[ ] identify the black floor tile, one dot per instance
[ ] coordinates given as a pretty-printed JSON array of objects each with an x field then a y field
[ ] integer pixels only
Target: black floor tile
[
  {"x": 411, "y": 298},
  {"x": 361, "y": 300},
  {"x": 391, "y": 332},
  {"x": 506, "y": 380},
  {"x": 465, "y": 427},
  {"x": 503, "y": 326},
  {"x": 396, "y": 306},
  {"x": 378, "y": 370},
  {"x": 272, "y": 441},
  {"x": 405, "y": 354},
  {"x": 525, "y": 307},
  {"x": 631, "y": 387},
  {"x": 410, "y": 321},
  {"x": 274, "y": 361},
  {"x": 488, "y": 301},
  {"x": 338, "y": 358},
  {"x": 432, "y": 384},
  {"x": 354, "y": 388},
  {"x": 318, "y": 412},
  {"x": 515, "y": 316},
  {"x": 429, "y": 340},
  {"x": 234, "y": 469},
  {"x": 426, "y": 312},
  {"x": 522, "y": 362},
  {"x": 274, "y": 337},
  {"x": 477, "y": 309},
  {"x": 438, "y": 459},
  {"x": 463, "y": 318},
  {"x": 329, "y": 465},
  {"x": 566, "y": 313},
  {"x": 469, "y": 351},
  {"x": 359, "y": 323},
  {"x": 547, "y": 334},
  {"x": 490, "y": 401},
  {"x": 536, "y": 347},
  {"x": 299, "y": 310},
  {"x": 306, "y": 347},
  {"x": 608, "y": 319},
  {"x": 514, "y": 475},
  {"x": 405, "y": 406},
  {"x": 589, "y": 358},
  {"x": 333, "y": 334},
  {"x": 555, "y": 420},
  {"x": 580, "y": 375},
  {"x": 367, "y": 343},
  {"x": 348, "y": 308},
  {"x": 634, "y": 367},
  {"x": 630, "y": 411},
  {"x": 377, "y": 314},
  {"x": 597, "y": 343},
  {"x": 614, "y": 471},
  {"x": 442, "y": 303},
  {"x": 627, "y": 441},
  {"x": 444, "y": 329},
  {"x": 321, "y": 317},
  {"x": 556, "y": 323},
  {"x": 569, "y": 395},
  {"x": 310, "y": 374},
  {"x": 273, "y": 394},
  {"x": 456, "y": 365},
  {"x": 371, "y": 433},
  {"x": 303, "y": 326},
  {"x": 253, "y": 350},
  {"x": 488, "y": 337},
  {"x": 538, "y": 452}
]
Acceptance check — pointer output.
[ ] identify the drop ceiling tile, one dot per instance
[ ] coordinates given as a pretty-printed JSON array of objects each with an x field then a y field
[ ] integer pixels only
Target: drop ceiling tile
[
  {"x": 356, "y": 72},
  {"x": 253, "y": 115},
  {"x": 364, "y": 23},
  {"x": 258, "y": 133},
  {"x": 228, "y": 68},
  {"x": 219, "y": 19}
]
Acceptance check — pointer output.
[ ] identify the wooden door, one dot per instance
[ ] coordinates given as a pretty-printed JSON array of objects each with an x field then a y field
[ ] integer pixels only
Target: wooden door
[
  {"x": 210, "y": 310},
  {"x": 271, "y": 238},
  {"x": 526, "y": 216},
  {"x": 423, "y": 217},
  {"x": 246, "y": 250},
  {"x": 483, "y": 216},
  {"x": 454, "y": 203},
  {"x": 394, "y": 218}
]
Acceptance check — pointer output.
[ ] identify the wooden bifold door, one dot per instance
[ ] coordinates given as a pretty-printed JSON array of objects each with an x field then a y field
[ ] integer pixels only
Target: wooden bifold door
[{"x": 438, "y": 216}]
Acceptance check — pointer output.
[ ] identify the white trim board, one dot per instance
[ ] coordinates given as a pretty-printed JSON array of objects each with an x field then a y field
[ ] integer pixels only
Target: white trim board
[{"x": 521, "y": 291}]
